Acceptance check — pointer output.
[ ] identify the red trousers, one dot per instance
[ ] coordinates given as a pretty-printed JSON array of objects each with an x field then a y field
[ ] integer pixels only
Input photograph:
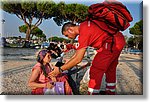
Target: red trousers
[{"x": 104, "y": 62}]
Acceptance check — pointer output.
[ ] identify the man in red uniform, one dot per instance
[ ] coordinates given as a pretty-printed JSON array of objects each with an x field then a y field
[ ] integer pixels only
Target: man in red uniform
[{"x": 105, "y": 61}]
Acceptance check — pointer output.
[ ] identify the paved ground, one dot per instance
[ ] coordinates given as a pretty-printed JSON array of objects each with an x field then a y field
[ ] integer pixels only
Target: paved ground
[
  {"x": 15, "y": 74},
  {"x": 129, "y": 76}
]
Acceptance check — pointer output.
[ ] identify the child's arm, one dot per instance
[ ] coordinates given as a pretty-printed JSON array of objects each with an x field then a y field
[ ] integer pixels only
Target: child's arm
[
  {"x": 53, "y": 79},
  {"x": 33, "y": 84}
]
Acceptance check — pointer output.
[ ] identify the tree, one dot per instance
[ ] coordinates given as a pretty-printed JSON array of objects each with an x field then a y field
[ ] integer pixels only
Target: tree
[
  {"x": 42, "y": 35},
  {"x": 74, "y": 13},
  {"x": 58, "y": 39},
  {"x": 137, "y": 29},
  {"x": 33, "y": 13},
  {"x": 27, "y": 11},
  {"x": 130, "y": 42},
  {"x": 35, "y": 32},
  {"x": 137, "y": 32}
]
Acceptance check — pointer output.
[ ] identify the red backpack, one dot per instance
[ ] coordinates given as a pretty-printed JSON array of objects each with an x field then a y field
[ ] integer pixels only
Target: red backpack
[{"x": 110, "y": 16}]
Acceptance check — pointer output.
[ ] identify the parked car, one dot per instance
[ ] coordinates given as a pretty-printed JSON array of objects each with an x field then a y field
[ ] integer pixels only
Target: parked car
[
  {"x": 35, "y": 45},
  {"x": 45, "y": 45},
  {"x": 136, "y": 51}
]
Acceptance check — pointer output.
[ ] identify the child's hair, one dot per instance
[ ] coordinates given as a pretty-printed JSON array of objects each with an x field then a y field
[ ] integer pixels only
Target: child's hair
[{"x": 40, "y": 56}]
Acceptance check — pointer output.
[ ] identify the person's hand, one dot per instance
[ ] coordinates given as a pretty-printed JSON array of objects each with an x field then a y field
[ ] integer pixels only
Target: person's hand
[
  {"x": 53, "y": 79},
  {"x": 55, "y": 72},
  {"x": 49, "y": 85}
]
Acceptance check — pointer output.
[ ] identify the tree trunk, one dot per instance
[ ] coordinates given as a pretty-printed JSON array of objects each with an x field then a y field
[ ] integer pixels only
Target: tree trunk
[
  {"x": 137, "y": 45},
  {"x": 27, "y": 42},
  {"x": 28, "y": 34}
]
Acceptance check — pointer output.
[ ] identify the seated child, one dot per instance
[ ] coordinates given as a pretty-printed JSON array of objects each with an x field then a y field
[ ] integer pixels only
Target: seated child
[{"x": 39, "y": 79}]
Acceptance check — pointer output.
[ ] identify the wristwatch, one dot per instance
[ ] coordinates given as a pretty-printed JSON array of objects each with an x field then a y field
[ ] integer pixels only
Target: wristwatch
[{"x": 60, "y": 70}]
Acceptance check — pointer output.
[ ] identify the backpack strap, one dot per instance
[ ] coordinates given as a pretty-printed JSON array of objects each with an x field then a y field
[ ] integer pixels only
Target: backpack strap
[
  {"x": 111, "y": 35},
  {"x": 117, "y": 20}
]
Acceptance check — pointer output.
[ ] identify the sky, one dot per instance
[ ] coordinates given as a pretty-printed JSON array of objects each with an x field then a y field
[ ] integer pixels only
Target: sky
[{"x": 49, "y": 27}]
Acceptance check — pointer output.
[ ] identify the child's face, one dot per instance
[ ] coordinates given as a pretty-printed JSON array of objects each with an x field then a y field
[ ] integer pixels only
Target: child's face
[{"x": 47, "y": 58}]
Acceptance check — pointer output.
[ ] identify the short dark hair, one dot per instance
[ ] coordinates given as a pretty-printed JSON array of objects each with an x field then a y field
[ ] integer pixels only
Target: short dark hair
[{"x": 66, "y": 25}]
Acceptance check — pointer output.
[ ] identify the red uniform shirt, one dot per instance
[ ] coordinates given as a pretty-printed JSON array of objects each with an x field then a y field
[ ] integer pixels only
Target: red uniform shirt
[{"x": 91, "y": 35}]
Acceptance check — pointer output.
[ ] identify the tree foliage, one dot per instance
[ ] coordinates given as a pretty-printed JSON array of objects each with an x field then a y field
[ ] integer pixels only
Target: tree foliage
[
  {"x": 58, "y": 39},
  {"x": 137, "y": 32},
  {"x": 75, "y": 13},
  {"x": 137, "y": 29},
  {"x": 32, "y": 13},
  {"x": 27, "y": 11},
  {"x": 35, "y": 32}
]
